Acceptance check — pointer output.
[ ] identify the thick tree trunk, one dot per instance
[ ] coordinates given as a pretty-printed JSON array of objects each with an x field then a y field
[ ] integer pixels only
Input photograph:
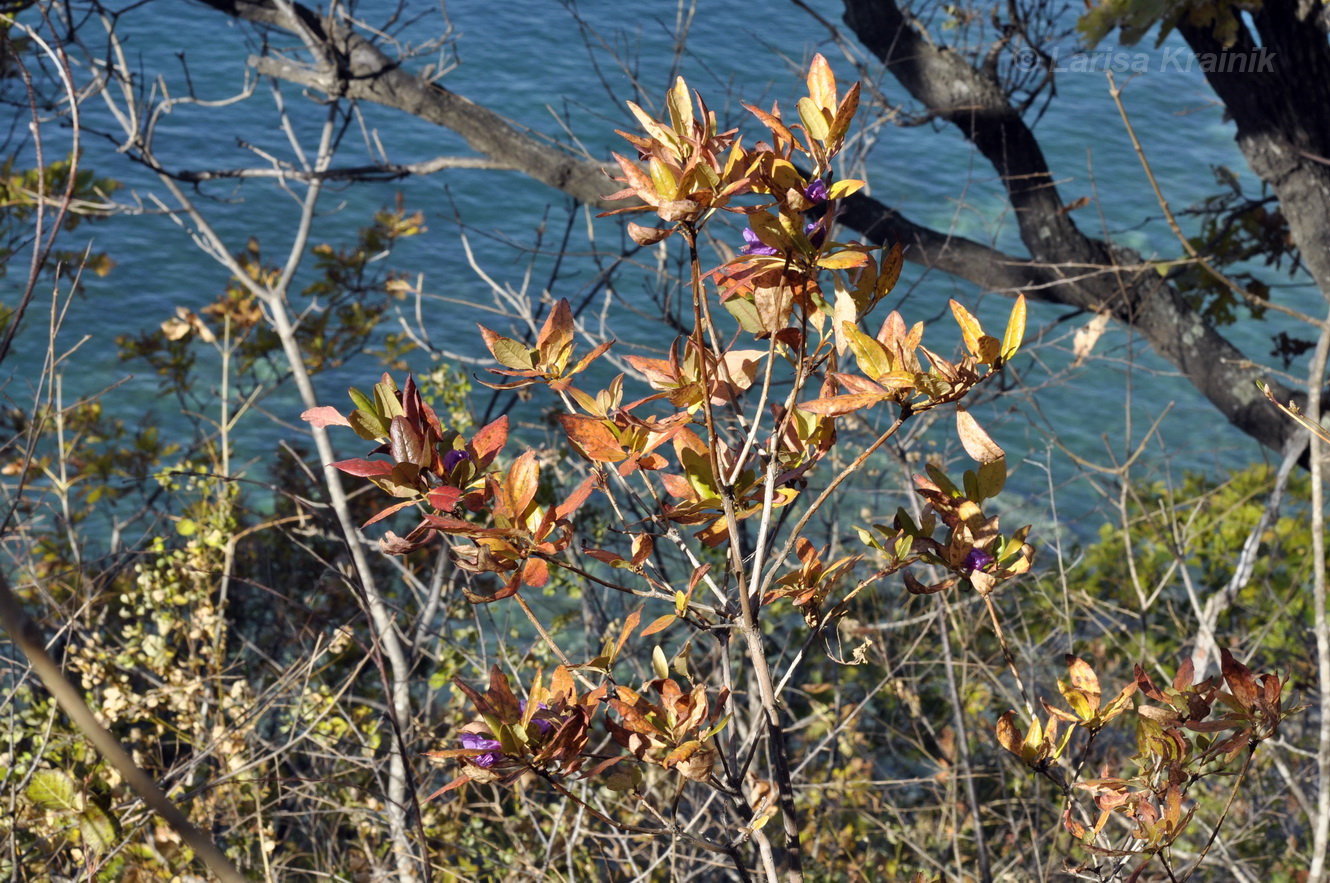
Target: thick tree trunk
[
  {"x": 953, "y": 89},
  {"x": 1281, "y": 116}
]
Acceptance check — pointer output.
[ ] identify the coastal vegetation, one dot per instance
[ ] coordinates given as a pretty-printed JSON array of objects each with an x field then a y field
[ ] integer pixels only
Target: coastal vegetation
[{"x": 389, "y": 582}]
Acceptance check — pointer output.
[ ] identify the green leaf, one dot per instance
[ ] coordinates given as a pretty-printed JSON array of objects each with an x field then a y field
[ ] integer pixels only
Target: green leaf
[
  {"x": 667, "y": 186},
  {"x": 769, "y": 230},
  {"x": 814, "y": 120},
  {"x": 99, "y": 828},
  {"x": 368, "y": 425},
  {"x": 940, "y": 479},
  {"x": 746, "y": 314},
  {"x": 873, "y": 359},
  {"x": 55, "y": 789},
  {"x": 970, "y": 483},
  {"x": 992, "y": 478},
  {"x": 513, "y": 354},
  {"x": 386, "y": 404}
]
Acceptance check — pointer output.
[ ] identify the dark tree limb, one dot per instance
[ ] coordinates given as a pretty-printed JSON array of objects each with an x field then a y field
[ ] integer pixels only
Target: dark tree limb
[
  {"x": 951, "y": 88},
  {"x": 1279, "y": 109}
]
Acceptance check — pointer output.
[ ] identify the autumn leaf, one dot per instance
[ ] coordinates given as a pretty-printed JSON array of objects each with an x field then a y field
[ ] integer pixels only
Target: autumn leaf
[{"x": 324, "y": 416}]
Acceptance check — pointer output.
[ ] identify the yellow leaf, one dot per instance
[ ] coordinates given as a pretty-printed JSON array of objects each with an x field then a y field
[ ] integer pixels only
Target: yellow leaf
[
  {"x": 844, "y": 188},
  {"x": 653, "y": 128},
  {"x": 970, "y": 328},
  {"x": 681, "y": 108},
  {"x": 1011, "y": 340}
]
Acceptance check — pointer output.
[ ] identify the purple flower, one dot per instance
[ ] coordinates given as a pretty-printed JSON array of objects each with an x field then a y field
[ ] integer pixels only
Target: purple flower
[
  {"x": 816, "y": 233},
  {"x": 545, "y": 727},
  {"x": 493, "y": 750},
  {"x": 978, "y": 559},
  {"x": 452, "y": 458},
  {"x": 755, "y": 245},
  {"x": 816, "y": 191}
]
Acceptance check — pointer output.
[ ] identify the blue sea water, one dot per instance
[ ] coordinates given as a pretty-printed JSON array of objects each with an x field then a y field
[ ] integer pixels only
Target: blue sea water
[{"x": 567, "y": 67}]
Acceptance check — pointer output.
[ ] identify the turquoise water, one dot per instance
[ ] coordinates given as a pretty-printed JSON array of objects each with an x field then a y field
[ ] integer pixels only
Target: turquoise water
[{"x": 531, "y": 63}]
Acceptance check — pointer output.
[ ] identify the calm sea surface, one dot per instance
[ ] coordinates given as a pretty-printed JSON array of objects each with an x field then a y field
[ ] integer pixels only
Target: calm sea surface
[{"x": 529, "y": 60}]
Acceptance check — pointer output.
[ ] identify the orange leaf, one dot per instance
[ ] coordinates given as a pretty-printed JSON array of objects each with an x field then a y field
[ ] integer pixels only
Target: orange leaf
[
  {"x": 556, "y": 334},
  {"x": 837, "y": 406},
  {"x": 490, "y": 440},
  {"x": 576, "y": 498},
  {"x": 629, "y": 624},
  {"x": 523, "y": 481},
  {"x": 592, "y": 438},
  {"x": 822, "y": 83},
  {"x": 638, "y": 180},
  {"x": 389, "y": 511},
  {"x": 536, "y": 573},
  {"x": 659, "y": 624},
  {"x": 1082, "y": 675}
]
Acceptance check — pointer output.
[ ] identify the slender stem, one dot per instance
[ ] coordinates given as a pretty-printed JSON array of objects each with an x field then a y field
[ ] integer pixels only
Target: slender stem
[
  {"x": 1232, "y": 795},
  {"x": 549, "y": 641},
  {"x": 963, "y": 746},
  {"x": 1321, "y": 624},
  {"x": 822, "y": 498},
  {"x": 750, "y": 628},
  {"x": 25, "y": 636}
]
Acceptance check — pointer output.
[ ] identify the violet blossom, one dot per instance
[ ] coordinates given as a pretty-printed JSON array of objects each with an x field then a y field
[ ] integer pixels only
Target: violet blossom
[
  {"x": 452, "y": 458},
  {"x": 977, "y": 559},
  {"x": 816, "y": 233},
  {"x": 816, "y": 191},
  {"x": 755, "y": 245},
  {"x": 545, "y": 727},
  {"x": 493, "y": 749}
]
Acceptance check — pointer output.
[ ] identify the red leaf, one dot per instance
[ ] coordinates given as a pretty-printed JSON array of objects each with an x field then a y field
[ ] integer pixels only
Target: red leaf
[
  {"x": 1239, "y": 680},
  {"x": 444, "y": 498},
  {"x": 407, "y": 444},
  {"x": 364, "y": 468},
  {"x": 489, "y": 441},
  {"x": 501, "y": 697},
  {"x": 509, "y": 589}
]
